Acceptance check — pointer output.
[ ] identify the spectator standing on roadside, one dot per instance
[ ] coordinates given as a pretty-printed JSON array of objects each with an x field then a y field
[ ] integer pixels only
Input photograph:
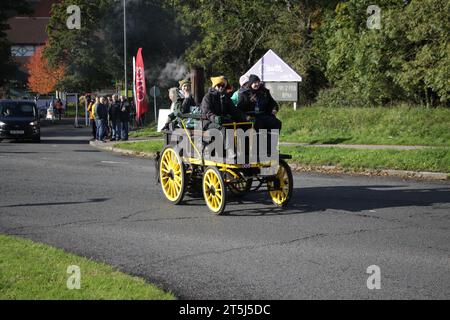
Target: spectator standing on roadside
[
  {"x": 108, "y": 122},
  {"x": 133, "y": 123},
  {"x": 91, "y": 110},
  {"x": 114, "y": 111},
  {"x": 101, "y": 118},
  {"x": 59, "y": 108},
  {"x": 124, "y": 117}
]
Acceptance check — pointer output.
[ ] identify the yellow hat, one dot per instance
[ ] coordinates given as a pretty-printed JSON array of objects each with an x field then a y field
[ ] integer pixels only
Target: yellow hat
[
  {"x": 218, "y": 80},
  {"x": 183, "y": 82}
]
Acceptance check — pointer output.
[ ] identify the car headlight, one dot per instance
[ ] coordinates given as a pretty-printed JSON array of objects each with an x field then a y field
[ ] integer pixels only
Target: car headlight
[
  {"x": 34, "y": 123},
  {"x": 2, "y": 123}
]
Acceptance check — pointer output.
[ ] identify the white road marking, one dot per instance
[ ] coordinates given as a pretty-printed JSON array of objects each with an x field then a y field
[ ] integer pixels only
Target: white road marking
[{"x": 114, "y": 162}]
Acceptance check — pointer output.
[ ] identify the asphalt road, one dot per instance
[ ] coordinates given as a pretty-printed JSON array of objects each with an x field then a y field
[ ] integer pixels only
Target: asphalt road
[{"x": 108, "y": 208}]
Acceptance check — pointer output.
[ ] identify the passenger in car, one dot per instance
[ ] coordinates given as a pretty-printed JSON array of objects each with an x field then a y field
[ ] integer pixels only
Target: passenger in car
[
  {"x": 217, "y": 107},
  {"x": 256, "y": 99}
]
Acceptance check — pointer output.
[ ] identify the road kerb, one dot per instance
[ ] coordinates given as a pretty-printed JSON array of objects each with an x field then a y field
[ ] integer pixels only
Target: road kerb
[{"x": 297, "y": 167}]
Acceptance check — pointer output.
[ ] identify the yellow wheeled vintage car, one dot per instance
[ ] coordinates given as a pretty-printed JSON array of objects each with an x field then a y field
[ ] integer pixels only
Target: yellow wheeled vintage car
[{"x": 180, "y": 173}]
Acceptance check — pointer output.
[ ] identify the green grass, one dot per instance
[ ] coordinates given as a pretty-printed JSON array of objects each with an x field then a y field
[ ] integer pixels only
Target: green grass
[
  {"x": 142, "y": 146},
  {"x": 71, "y": 111},
  {"x": 147, "y": 131},
  {"x": 433, "y": 159},
  {"x": 30, "y": 270},
  {"x": 391, "y": 126}
]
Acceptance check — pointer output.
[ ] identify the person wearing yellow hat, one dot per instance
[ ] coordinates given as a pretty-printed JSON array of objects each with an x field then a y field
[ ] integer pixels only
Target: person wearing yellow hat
[
  {"x": 217, "y": 107},
  {"x": 184, "y": 82}
]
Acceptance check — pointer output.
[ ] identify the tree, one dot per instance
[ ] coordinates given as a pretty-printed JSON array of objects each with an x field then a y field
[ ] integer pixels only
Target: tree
[
  {"x": 82, "y": 51},
  {"x": 8, "y": 9},
  {"x": 406, "y": 60},
  {"x": 42, "y": 78},
  {"x": 233, "y": 35},
  {"x": 296, "y": 25},
  {"x": 93, "y": 55},
  {"x": 354, "y": 58},
  {"x": 152, "y": 26},
  {"x": 421, "y": 50}
]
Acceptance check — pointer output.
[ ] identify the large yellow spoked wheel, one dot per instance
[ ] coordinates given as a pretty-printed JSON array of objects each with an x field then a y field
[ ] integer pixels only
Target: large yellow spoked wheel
[
  {"x": 214, "y": 190},
  {"x": 172, "y": 175},
  {"x": 280, "y": 189}
]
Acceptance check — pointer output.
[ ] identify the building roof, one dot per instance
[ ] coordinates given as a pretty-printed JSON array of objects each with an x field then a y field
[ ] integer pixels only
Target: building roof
[
  {"x": 42, "y": 8},
  {"x": 27, "y": 30},
  {"x": 271, "y": 68},
  {"x": 31, "y": 29}
]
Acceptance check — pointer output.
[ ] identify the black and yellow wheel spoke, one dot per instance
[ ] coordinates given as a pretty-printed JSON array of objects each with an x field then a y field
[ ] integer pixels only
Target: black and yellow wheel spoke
[
  {"x": 171, "y": 175},
  {"x": 213, "y": 190},
  {"x": 281, "y": 194}
]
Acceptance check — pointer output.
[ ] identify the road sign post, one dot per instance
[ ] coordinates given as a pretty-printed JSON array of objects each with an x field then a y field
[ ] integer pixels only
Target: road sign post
[
  {"x": 278, "y": 76},
  {"x": 155, "y": 92}
]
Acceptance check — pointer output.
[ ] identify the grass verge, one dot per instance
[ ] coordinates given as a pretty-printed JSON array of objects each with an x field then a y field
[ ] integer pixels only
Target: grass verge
[
  {"x": 400, "y": 125},
  {"x": 432, "y": 159},
  {"x": 147, "y": 131},
  {"x": 142, "y": 146},
  {"x": 390, "y": 126},
  {"x": 30, "y": 270}
]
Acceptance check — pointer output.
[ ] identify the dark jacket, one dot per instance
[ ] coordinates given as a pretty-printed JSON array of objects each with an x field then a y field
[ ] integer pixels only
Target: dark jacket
[
  {"x": 101, "y": 112},
  {"x": 216, "y": 104},
  {"x": 248, "y": 99},
  {"x": 114, "y": 110},
  {"x": 187, "y": 104},
  {"x": 124, "y": 114}
]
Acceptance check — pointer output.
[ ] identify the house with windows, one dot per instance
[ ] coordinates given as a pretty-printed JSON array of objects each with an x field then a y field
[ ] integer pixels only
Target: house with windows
[{"x": 26, "y": 34}]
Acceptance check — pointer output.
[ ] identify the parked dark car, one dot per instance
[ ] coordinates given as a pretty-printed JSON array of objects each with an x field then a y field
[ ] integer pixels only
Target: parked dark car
[{"x": 19, "y": 120}]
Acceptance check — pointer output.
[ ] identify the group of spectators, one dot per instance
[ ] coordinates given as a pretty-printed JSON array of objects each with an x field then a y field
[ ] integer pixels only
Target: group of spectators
[
  {"x": 253, "y": 102},
  {"x": 55, "y": 109},
  {"x": 109, "y": 118}
]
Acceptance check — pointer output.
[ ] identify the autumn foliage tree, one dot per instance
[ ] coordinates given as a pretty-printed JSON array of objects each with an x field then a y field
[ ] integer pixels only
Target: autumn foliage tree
[{"x": 42, "y": 77}]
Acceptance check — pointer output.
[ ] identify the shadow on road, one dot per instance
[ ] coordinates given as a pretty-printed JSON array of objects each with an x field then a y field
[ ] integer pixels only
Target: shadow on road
[
  {"x": 60, "y": 141},
  {"x": 87, "y": 151},
  {"x": 344, "y": 198},
  {"x": 16, "y": 152},
  {"x": 56, "y": 203},
  {"x": 45, "y": 141}
]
